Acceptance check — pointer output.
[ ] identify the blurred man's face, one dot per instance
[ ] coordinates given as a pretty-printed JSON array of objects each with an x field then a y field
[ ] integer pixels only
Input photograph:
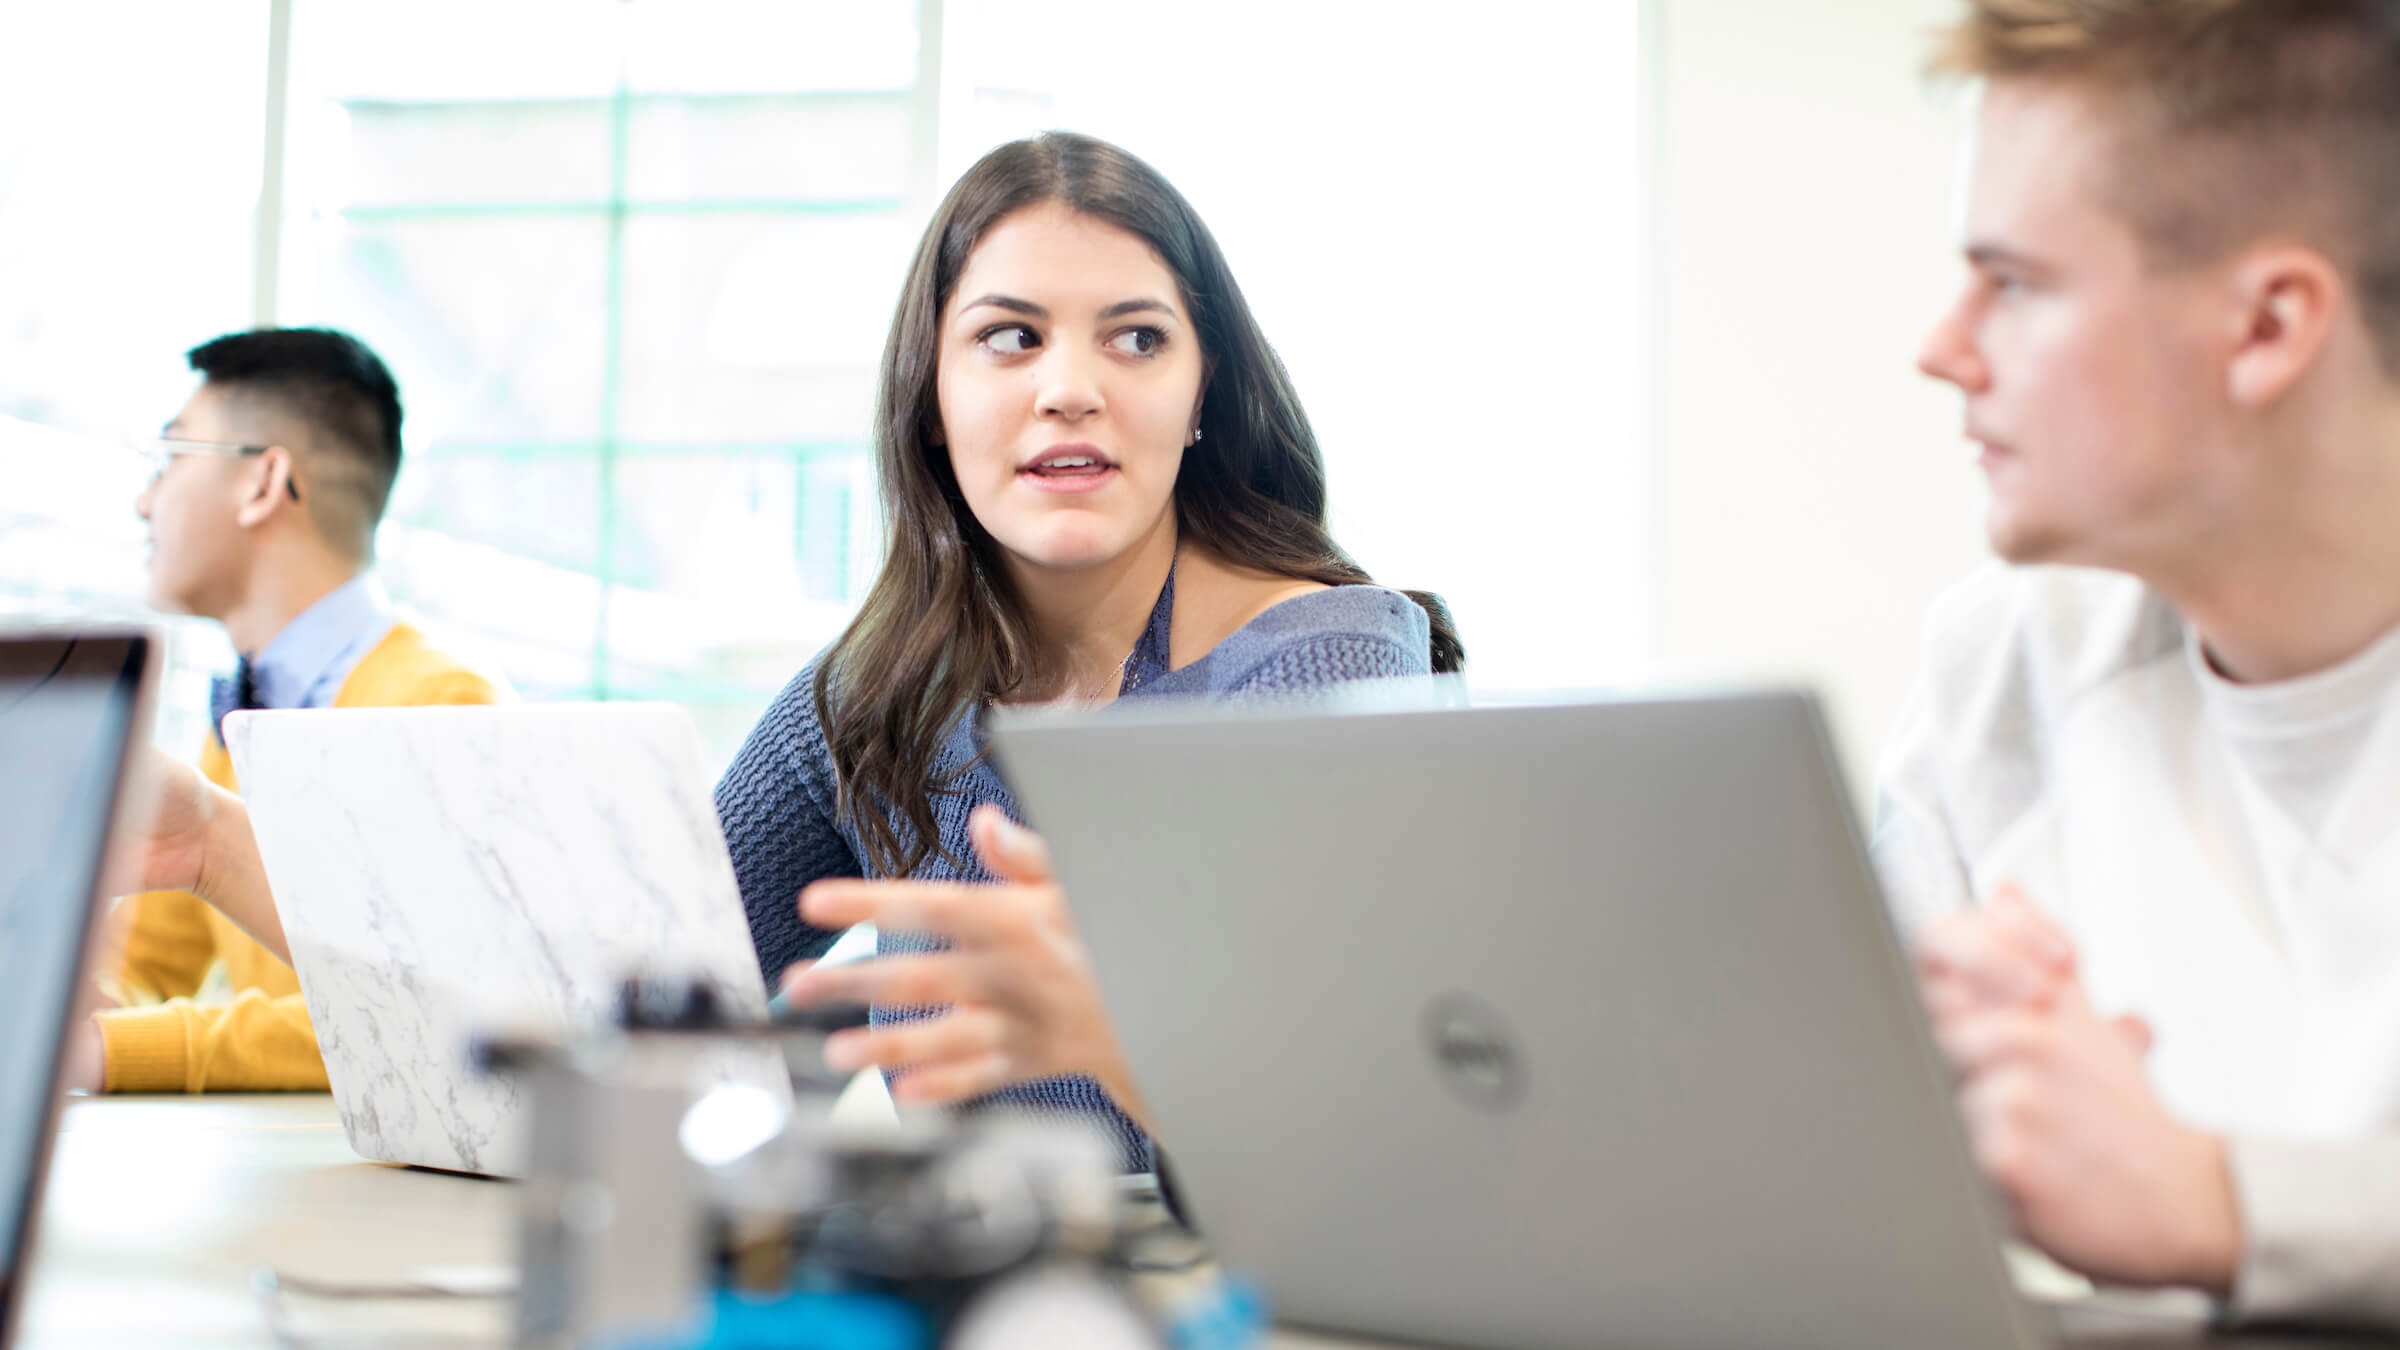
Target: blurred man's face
[
  {"x": 199, "y": 552},
  {"x": 2092, "y": 384}
]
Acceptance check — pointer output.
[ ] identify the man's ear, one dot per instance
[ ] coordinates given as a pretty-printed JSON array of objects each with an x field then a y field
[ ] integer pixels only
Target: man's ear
[
  {"x": 2285, "y": 300},
  {"x": 272, "y": 488}
]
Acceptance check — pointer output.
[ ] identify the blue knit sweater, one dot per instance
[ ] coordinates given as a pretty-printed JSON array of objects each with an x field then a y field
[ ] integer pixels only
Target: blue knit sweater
[{"x": 777, "y": 798}]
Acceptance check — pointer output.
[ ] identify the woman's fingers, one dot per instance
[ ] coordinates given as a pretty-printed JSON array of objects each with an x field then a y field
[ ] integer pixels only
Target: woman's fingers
[
  {"x": 967, "y": 913},
  {"x": 1009, "y": 966},
  {"x": 1011, "y": 851},
  {"x": 958, "y": 1036},
  {"x": 953, "y": 1080},
  {"x": 922, "y": 980}
]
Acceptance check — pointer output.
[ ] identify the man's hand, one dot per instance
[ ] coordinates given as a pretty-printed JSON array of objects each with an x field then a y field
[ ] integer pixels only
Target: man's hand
[
  {"x": 2060, "y": 1110},
  {"x": 85, "y": 1063},
  {"x": 173, "y": 854},
  {"x": 199, "y": 840},
  {"x": 1015, "y": 985},
  {"x": 2006, "y": 954}
]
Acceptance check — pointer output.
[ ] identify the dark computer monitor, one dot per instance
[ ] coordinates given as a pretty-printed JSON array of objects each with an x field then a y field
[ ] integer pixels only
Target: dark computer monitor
[{"x": 72, "y": 706}]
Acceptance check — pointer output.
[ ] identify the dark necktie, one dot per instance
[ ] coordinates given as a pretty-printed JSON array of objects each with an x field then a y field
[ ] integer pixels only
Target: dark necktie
[{"x": 238, "y": 691}]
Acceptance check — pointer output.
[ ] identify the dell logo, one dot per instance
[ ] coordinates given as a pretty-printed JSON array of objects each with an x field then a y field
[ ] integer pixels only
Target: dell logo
[{"x": 1474, "y": 1053}]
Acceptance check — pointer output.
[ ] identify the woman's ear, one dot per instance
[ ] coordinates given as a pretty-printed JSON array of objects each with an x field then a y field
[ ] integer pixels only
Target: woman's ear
[{"x": 1208, "y": 371}]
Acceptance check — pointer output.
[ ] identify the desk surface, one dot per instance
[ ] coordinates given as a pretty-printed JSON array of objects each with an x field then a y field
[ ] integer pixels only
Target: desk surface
[{"x": 161, "y": 1211}]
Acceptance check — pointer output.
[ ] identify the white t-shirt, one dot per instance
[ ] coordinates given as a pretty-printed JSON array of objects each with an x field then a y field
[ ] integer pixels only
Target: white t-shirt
[{"x": 2227, "y": 861}]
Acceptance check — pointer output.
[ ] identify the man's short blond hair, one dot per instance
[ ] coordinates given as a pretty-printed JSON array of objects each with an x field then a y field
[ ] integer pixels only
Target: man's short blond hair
[{"x": 2239, "y": 119}]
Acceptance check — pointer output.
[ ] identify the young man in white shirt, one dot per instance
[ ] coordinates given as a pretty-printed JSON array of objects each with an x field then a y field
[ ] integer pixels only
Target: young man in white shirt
[{"x": 2144, "y": 814}]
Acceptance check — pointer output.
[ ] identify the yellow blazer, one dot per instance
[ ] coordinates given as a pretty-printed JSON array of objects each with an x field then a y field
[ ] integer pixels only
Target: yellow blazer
[{"x": 162, "y": 1041}]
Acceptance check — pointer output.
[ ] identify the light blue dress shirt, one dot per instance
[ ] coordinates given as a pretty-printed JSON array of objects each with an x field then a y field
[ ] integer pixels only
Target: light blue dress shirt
[{"x": 306, "y": 664}]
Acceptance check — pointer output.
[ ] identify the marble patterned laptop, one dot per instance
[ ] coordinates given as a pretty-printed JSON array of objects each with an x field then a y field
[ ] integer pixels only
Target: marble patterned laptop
[{"x": 443, "y": 872}]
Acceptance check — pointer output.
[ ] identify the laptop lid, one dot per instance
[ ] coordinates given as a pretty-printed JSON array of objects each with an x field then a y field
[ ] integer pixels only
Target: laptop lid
[
  {"x": 72, "y": 706},
  {"x": 1528, "y": 1026},
  {"x": 444, "y": 873}
]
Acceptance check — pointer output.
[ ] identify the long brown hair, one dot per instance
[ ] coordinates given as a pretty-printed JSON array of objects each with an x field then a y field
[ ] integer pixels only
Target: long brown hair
[{"x": 942, "y": 629}]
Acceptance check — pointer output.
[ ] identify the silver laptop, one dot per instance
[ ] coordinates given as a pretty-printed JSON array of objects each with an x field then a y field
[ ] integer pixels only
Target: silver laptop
[
  {"x": 72, "y": 709},
  {"x": 444, "y": 873},
  {"x": 1526, "y": 1026}
]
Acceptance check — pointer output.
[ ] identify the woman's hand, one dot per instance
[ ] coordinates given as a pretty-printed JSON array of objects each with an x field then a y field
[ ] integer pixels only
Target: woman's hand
[{"x": 1015, "y": 985}]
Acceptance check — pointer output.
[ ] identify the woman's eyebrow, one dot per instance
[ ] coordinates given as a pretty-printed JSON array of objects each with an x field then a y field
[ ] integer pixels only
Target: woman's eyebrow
[
  {"x": 1009, "y": 303},
  {"x": 1140, "y": 305}
]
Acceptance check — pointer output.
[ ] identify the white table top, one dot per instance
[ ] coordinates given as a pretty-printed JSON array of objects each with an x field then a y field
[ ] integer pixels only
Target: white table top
[{"x": 161, "y": 1211}]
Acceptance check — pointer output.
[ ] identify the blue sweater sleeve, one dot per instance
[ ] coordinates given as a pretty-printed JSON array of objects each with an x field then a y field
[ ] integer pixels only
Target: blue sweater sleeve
[
  {"x": 1328, "y": 659},
  {"x": 776, "y": 803}
]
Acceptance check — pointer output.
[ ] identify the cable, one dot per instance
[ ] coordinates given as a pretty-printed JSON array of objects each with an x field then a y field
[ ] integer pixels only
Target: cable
[{"x": 47, "y": 677}]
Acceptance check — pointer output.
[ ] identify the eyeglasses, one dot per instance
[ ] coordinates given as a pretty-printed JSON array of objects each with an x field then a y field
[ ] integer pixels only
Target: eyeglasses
[{"x": 161, "y": 451}]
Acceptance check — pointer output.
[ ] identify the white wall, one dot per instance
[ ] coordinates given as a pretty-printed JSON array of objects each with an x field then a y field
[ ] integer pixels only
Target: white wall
[
  {"x": 1435, "y": 218},
  {"x": 1810, "y": 495},
  {"x": 1429, "y": 207},
  {"x": 1432, "y": 210}
]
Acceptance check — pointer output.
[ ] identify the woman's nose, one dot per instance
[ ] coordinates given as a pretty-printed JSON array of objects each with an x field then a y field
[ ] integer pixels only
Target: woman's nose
[{"x": 1070, "y": 383}]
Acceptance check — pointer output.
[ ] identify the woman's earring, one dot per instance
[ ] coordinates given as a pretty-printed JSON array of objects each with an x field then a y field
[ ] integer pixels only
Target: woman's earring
[{"x": 1195, "y": 440}]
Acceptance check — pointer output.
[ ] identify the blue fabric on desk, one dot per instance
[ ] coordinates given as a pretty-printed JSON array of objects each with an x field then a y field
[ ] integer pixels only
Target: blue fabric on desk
[{"x": 777, "y": 799}]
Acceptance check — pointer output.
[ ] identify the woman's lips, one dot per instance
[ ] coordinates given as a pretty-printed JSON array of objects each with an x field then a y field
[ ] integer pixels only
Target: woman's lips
[
  {"x": 1070, "y": 467},
  {"x": 1088, "y": 476}
]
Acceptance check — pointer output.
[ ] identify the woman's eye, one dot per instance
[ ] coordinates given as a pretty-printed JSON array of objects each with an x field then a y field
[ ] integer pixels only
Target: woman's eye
[
  {"x": 1009, "y": 339},
  {"x": 1138, "y": 341}
]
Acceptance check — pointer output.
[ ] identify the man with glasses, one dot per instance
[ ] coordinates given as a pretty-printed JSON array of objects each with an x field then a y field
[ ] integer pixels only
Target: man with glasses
[{"x": 262, "y": 512}]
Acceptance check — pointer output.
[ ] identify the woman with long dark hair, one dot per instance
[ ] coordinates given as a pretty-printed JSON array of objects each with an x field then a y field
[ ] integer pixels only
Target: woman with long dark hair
[{"x": 1097, "y": 483}]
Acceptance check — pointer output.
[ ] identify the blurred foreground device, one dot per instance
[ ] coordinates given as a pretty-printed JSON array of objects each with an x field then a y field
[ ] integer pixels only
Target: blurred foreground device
[
  {"x": 72, "y": 707},
  {"x": 666, "y": 1208}
]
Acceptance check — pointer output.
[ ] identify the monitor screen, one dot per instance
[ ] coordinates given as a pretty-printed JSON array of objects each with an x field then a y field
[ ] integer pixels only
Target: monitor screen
[{"x": 67, "y": 709}]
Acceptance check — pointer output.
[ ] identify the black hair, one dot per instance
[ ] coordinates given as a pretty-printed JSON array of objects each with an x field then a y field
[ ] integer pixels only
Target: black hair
[{"x": 331, "y": 381}]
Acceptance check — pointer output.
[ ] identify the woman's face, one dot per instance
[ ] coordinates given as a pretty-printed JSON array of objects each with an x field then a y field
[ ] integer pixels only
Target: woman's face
[{"x": 1069, "y": 383}]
